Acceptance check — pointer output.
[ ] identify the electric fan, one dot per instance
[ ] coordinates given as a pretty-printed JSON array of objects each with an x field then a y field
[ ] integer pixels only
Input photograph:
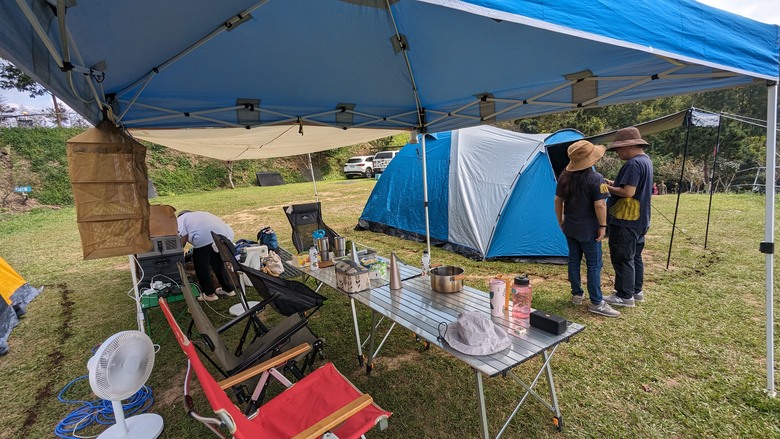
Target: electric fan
[{"x": 119, "y": 368}]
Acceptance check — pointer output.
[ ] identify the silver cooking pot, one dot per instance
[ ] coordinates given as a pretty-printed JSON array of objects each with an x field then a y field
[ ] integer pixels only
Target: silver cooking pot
[{"x": 447, "y": 279}]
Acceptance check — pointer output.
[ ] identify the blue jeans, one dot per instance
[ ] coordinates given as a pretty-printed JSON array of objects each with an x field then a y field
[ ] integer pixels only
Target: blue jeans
[{"x": 592, "y": 251}]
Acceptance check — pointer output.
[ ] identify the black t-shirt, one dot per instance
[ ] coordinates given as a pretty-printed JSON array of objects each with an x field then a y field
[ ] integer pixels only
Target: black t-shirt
[
  {"x": 633, "y": 212},
  {"x": 579, "y": 215}
]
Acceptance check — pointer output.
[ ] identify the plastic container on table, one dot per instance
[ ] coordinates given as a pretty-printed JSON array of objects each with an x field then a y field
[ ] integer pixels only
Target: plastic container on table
[{"x": 521, "y": 299}]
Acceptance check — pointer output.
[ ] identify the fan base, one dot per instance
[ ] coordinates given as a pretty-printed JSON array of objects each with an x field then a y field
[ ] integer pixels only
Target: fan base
[{"x": 145, "y": 426}]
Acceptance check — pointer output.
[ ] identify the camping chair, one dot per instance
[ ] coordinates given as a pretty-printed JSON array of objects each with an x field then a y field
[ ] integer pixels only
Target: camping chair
[
  {"x": 305, "y": 219},
  {"x": 288, "y": 333},
  {"x": 323, "y": 402},
  {"x": 291, "y": 297}
]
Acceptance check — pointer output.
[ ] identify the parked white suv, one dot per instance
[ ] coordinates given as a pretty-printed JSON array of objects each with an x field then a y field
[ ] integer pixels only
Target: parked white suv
[
  {"x": 362, "y": 165},
  {"x": 382, "y": 159}
]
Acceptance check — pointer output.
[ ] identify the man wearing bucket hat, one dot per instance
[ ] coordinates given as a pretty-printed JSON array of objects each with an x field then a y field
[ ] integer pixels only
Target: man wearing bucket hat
[
  {"x": 582, "y": 215},
  {"x": 629, "y": 216}
]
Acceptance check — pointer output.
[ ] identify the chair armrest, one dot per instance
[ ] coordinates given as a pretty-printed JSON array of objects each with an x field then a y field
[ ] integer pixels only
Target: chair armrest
[
  {"x": 336, "y": 418},
  {"x": 265, "y": 365},
  {"x": 251, "y": 311}
]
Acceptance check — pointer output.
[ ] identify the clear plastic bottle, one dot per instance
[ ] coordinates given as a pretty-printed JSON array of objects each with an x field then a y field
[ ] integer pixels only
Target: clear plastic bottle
[
  {"x": 521, "y": 298},
  {"x": 313, "y": 258},
  {"x": 426, "y": 263}
]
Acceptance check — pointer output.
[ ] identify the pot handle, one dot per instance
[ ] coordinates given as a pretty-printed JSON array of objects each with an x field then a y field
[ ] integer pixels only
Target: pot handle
[{"x": 458, "y": 277}]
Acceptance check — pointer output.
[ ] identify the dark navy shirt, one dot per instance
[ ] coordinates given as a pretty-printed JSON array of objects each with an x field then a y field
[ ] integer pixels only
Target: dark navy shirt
[
  {"x": 579, "y": 215},
  {"x": 633, "y": 212}
]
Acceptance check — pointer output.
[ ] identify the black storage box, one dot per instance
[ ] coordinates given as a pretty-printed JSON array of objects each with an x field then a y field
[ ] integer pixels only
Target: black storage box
[
  {"x": 269, "y": 179},
  {"x": 548, "y": 322}
]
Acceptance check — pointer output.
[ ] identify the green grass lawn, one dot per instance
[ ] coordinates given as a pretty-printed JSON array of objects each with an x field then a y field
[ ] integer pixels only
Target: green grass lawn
[{"x": 689, "y": 362}]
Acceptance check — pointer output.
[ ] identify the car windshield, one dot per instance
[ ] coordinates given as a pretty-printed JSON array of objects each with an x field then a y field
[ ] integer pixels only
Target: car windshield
[{"x": 384, "y": 155}]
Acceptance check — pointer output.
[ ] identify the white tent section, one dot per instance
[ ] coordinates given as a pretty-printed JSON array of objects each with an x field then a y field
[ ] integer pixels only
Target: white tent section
[
  {"x": 261, "y": 142},
  {"x": 483, "y": 170}
]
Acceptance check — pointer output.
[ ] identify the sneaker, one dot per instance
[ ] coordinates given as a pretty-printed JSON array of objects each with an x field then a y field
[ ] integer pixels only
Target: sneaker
[
  {"x": 576, "y": 299},
  {"x": 208, "y": 298},
  {"x": 639, "y": 297},
  {"x": 603, "y": 309},
  {"x": 614, "y": 299},
  {"x": 221, "y": 292}
]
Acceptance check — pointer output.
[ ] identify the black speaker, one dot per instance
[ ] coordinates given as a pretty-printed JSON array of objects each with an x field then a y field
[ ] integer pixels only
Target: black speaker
[{"x": 547, "y": 322}]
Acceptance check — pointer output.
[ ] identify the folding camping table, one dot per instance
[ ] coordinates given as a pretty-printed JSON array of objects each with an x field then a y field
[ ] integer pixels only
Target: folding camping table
[
  {"x": 327, "y": 276},
  {"x": 421, "y": 310}
]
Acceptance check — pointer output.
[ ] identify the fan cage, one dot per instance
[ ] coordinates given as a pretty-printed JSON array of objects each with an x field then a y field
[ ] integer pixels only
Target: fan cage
[{"x": 124, "y": 363}]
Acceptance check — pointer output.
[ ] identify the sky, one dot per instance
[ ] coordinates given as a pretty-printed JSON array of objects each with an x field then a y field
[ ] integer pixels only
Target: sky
[{"x": 767, "y": 11}]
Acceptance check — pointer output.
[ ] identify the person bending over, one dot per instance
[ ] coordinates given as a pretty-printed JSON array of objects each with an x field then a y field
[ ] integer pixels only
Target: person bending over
[{"x": 196, "y": 228}]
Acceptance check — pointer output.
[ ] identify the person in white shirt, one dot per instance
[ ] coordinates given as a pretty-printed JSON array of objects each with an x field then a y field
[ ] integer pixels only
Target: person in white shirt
[{"x": 196, "y": 228}]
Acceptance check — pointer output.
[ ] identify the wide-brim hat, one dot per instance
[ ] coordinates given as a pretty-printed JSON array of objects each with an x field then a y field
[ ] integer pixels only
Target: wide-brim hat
[
  {"x": 583, "y": 155},
  {"x": 475, "y": 334},
  {"x": 628, "y": 137}
]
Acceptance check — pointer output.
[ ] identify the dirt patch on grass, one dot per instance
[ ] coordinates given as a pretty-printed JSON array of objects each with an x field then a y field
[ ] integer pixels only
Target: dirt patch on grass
[
  {"x": 172, "y": 394},
  {"x": 54, "y": 360},
  {"x": 399, "y": 361}
]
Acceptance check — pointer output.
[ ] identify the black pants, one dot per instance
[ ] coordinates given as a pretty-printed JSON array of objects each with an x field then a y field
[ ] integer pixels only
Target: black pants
[
  {"x": 625, "y": 252},
  {"x": 205, "y": 259}
]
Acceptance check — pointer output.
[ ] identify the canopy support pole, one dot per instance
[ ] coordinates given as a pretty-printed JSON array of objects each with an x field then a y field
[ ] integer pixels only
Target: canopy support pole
[
  {"x": 679, "y": 186},
  {"x": 767, "y": 247},
  {"x": 712, "y": 182},
  {"x": 425, "y": 196},
  {"x": 313, "y": 180}
]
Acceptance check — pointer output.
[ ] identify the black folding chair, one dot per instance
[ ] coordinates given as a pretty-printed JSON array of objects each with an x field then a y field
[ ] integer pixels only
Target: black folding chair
[
  {"x": 305, "y": 219},
  {"x": 286, "y": 334}
]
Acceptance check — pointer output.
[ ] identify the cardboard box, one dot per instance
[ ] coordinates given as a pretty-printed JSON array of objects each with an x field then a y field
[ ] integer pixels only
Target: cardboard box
[{"x": 162, "y": 220}]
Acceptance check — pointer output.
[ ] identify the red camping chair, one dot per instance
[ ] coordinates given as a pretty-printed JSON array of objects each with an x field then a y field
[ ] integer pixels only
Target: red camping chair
[{"x": 323, "y": 402}]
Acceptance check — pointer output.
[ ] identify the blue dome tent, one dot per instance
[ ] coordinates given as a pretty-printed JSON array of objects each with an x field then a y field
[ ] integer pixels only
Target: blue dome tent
[{"x": 491, "y": 194}]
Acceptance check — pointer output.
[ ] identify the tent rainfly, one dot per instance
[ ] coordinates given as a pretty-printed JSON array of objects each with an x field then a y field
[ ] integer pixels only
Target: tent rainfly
[
  {"x": 394, "y": 64},
  {"x": 15, "y": 294},
  {"x": 491, "y": 186}
]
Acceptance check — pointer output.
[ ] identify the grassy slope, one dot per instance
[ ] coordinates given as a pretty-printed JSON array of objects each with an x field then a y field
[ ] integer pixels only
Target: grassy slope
[{"x": 688, "y": 363}]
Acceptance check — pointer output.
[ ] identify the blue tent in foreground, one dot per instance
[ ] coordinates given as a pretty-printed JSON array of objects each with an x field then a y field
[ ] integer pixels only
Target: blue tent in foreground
[{"x": 491, "y": 194}]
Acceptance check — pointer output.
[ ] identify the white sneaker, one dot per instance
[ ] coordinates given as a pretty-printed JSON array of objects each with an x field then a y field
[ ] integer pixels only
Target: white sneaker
[
  {"x": 207, "y": 298},
  {"x": 221, "y": 292},
  {"x": 614, "y": 299},
  {"x": 603, "y": 309}
]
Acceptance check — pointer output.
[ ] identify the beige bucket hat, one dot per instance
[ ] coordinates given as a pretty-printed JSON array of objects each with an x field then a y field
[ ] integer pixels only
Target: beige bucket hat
[{"x": 583, "y": 155}]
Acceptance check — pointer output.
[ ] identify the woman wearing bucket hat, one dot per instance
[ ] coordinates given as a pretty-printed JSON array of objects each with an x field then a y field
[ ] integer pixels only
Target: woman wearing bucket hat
[
  {"x": 629, "y": 216},
  {"x": 582, "y": 215}
]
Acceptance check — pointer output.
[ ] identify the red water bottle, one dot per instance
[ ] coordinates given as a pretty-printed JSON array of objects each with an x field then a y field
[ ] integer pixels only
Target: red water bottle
[{"x": 521, "y": 298}]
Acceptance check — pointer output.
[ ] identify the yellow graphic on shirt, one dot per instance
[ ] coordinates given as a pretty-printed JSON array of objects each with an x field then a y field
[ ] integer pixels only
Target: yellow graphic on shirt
[
  {"x": 625, "y": 209},
  {"x": 604, "y": 188}
]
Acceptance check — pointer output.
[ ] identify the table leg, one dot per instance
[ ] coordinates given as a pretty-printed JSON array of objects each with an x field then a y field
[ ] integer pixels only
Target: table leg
[
  {"x": 357, "y": 332},
  {"x": 482, "y": 410},
  {"x": 370, "y": 363},
  {"x": 557, "y": 420}
]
